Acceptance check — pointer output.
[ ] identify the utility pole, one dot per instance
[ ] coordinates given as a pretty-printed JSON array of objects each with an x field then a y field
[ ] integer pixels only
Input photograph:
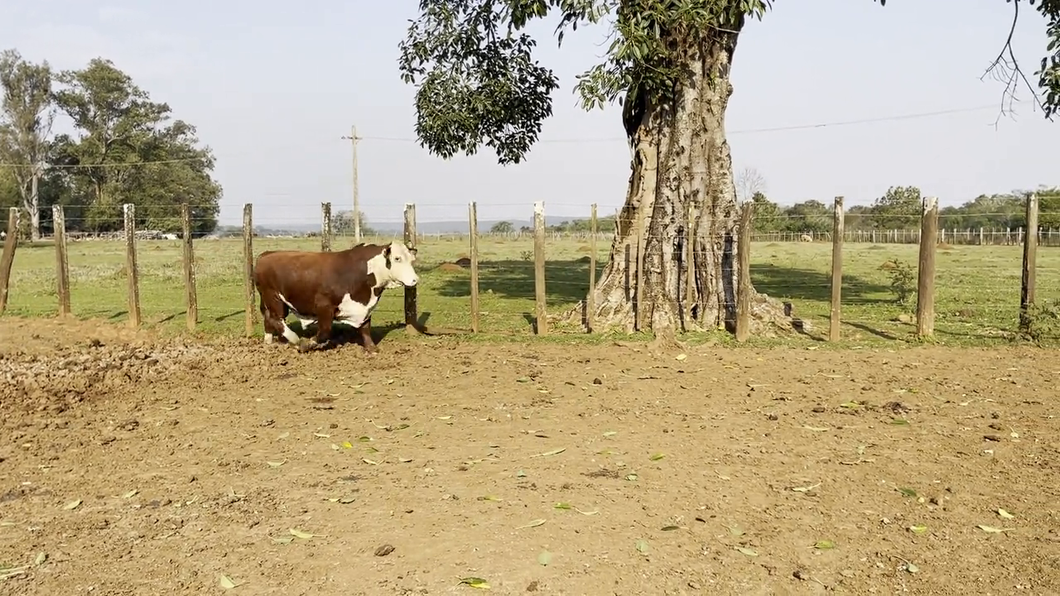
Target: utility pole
[{"x": 356, "y": 191}]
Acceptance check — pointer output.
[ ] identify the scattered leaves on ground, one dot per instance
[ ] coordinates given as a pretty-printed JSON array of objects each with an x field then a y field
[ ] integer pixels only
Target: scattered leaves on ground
[{"x": 475, "y": 582}]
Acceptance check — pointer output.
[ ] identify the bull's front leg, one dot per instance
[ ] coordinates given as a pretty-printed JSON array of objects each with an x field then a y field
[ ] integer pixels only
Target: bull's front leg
[{"x": 366, "y": 337}]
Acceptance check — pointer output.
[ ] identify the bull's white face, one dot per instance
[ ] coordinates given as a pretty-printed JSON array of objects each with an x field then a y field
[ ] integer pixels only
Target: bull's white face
[{"x": 401, "y": 271}]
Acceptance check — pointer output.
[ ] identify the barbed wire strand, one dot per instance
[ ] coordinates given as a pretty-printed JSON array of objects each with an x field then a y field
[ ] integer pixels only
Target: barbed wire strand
[
  {"x": 896, "y": 117},
  {"x": 909, "y": 116}
]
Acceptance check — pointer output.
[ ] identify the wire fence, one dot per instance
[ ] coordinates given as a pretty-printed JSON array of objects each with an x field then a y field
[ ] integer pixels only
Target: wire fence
[{"x": 978, "y": 274}]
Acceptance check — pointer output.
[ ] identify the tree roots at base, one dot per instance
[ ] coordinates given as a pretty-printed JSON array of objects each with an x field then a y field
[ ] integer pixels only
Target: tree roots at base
[{"x": 769, "y": 318}]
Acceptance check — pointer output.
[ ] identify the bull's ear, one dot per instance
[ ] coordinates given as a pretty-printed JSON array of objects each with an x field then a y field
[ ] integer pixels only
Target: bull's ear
[
  {"x": 386, "y": 252},
  {"x": 413, "y": 251}
]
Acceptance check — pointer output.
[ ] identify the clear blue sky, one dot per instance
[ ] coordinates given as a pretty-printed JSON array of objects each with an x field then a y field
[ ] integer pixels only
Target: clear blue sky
[{"x": 272, "y": 86}]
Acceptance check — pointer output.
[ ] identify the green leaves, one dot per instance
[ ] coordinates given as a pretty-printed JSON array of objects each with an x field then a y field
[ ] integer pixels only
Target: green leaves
[
  {"x": 1048, "y": 72},
  {"x": 475, "y": 85},
  {"x": 117, "y": 124},
  {"x": 479, "y": 85},
  {"x": 26, "y": 110}
]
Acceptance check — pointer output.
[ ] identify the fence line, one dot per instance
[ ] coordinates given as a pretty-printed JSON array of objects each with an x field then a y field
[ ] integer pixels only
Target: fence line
[
  {"x": 329, "y": 228},
  {"x": 925, "y": 309}
]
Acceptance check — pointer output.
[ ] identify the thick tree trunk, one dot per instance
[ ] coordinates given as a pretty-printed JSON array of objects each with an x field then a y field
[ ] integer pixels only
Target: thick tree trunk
[
  {"x": 681, "y": 189},
  {"x": 28, "y": 190},
  {"x": 33, "y": 205}
]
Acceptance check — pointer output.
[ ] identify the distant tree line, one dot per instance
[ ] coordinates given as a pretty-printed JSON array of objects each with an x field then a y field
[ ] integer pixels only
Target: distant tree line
[
  {"x": 581, "y": 226},
  {"x": 125, "y": 148},
  {"x": 901, "y": 208}
]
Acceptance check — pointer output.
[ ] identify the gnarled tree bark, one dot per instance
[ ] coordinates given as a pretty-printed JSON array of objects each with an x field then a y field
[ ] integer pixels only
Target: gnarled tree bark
[{"x": 681, "y": 189}]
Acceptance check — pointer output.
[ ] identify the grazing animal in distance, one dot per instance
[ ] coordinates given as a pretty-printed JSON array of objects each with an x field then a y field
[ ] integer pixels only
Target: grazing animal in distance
[{"x": 326, "y": 287}]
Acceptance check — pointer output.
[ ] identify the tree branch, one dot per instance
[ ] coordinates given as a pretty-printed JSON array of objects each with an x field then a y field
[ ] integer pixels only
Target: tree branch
[{"x": 1006, "y": 69}]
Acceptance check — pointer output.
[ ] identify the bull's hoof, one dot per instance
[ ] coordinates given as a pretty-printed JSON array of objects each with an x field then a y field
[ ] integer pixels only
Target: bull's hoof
[{"x": 309, "y": 345}]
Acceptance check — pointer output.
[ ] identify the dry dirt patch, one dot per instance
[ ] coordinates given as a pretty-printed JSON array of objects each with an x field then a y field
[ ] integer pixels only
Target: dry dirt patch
[{"x": 548, "y": 468}]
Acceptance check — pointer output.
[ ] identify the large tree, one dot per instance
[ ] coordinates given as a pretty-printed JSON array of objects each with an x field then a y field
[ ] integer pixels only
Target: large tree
[
  {"x": 668, "y": 63},
  {"x": 9, "y": 195},
  {"x": 26, "y": 116},
  {"x": 768, "y": 215},
  {"x": 128, "y": 150},
  {"x": 342, "y": 224}
]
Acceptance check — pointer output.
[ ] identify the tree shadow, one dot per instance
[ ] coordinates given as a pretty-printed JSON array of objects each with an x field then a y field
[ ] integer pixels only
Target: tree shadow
[
  {"x": 224, "y": 318},
  {"x": 807, "y": 284},
  {"x": 169, "y": 318},
  {"x": 568, "y": 281},
  {"x": 877, "y": 332},
  {"x": 565, "y": 281}
]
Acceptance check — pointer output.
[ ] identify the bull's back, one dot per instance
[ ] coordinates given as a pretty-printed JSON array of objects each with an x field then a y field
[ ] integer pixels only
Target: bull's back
[{"x": 299, "y": 277}]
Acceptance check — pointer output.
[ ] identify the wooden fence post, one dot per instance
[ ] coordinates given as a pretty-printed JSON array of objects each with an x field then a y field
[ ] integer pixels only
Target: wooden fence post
[
  {"x": 411, "y": 308},
  {"x": 1030, "y": 260},
  {"x": 190, "y": 297},
  {"x": 590, "y": 304},
  {"x": 62, "y": 264},
  {"x": 7, "y": 259},
  {"x": 472, "y": 218},
  {"x": 743, "y": 275},
  {"x": 325, "y": 227},
  {"x": 837, "y": 271},
  {"x": 540, "y": 319},
  {"x": 248, "y": 269},
  {"x": 132, "y": 270},
  {"x": 925, "y": 291}
]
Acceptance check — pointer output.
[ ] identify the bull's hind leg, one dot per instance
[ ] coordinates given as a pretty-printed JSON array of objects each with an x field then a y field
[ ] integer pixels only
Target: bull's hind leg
[
  {"x": 274, "y": 315},
  {"x": 325, "y": 316},
  {"x": 268, "y": 320}
]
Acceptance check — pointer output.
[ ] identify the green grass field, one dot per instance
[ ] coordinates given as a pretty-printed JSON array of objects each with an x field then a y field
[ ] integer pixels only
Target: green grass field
[{"x": 977, "y": 287}]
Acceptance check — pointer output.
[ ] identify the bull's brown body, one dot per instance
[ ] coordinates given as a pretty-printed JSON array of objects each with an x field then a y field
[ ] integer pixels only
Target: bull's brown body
[{"x": 327, "y": 286}]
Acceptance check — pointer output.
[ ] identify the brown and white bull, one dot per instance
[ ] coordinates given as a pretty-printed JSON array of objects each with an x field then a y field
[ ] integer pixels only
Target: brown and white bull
[{"x": 327, "y": 287}]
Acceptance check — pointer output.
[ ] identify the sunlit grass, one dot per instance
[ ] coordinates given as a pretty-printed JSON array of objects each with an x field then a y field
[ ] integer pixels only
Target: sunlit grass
[{"x": 977, "y": 297}]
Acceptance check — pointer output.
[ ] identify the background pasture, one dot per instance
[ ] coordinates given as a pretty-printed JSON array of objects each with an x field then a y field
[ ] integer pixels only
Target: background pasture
[{"x": 977, "y": 288}]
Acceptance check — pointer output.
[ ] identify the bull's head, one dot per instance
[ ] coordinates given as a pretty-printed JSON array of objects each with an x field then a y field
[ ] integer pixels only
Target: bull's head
[{"x": 399, "y": 259}]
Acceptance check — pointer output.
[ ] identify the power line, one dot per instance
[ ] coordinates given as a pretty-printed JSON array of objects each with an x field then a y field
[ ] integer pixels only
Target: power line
[
  {"x": 910, "y": 116},
  {"x": 104, "y": 165}
]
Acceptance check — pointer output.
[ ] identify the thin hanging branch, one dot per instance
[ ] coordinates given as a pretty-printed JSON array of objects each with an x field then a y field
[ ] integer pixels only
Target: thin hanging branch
[{"x": 1006, "y": 69}]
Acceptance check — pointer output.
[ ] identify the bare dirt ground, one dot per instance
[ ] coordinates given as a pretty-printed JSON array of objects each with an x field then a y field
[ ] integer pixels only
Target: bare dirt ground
[{"x": 133, "y": 465}]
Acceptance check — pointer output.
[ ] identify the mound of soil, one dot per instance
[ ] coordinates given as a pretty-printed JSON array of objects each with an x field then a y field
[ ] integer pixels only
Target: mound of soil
[
  {"x": 71, "y": 374},
  {"x": 450, "y": 267}
]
